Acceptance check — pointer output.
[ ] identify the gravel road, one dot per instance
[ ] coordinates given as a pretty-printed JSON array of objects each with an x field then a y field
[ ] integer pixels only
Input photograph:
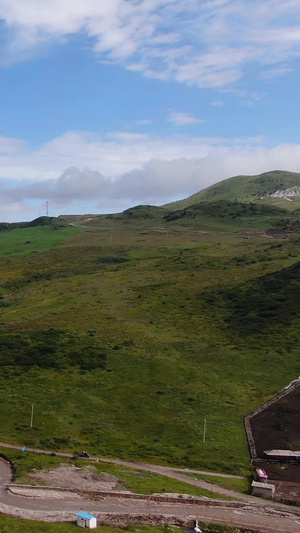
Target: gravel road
[
  {"x": 174, "y": 473},
  {"x": 260, "y": 515}
]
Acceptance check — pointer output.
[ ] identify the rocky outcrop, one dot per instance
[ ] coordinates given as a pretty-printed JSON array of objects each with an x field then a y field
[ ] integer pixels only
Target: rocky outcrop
[{"x": 286, "y": 193}]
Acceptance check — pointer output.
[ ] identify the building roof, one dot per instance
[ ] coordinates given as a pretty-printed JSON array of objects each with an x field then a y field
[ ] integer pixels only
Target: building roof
[
  {"x": 85, "y": 515},
  {"x": 281, "y": 453}
]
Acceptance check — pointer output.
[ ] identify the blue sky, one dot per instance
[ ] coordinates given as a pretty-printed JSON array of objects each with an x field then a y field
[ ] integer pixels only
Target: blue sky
[{"x": 109, "y": 104}]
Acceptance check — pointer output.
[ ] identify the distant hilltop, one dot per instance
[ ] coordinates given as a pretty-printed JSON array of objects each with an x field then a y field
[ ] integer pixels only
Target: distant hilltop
[{"x": 274, "y": 188}]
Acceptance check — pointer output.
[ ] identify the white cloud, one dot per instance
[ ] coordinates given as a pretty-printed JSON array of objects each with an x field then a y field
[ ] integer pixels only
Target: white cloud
[
  {"x": 205, "y": 43},
  {"x": 112, "y": 154},
  {"x": 182, "y": 119},
  {"x": 124, "y": 169},
  {"x": 246, "y": 98}
]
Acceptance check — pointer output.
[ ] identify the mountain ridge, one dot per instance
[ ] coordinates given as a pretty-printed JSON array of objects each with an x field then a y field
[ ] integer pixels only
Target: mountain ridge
[{"x": 244, "y": 188}]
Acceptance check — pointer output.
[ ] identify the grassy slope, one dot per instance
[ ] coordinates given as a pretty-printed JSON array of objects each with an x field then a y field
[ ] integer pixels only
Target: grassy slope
[
  {"x": 219, "y": 215},
  {"x": 14, "y": 525},
  {"x": 34, "y": 239},
  {"x": 239, "y": 485},
  {"x": 244, "y": 189},
  {"x": 235, "y": 215},
  {"x": 153, "y": 303}
]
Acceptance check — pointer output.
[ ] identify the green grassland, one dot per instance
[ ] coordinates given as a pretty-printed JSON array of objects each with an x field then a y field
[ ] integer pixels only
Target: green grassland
[
  {"x": 141, "y": 482},
  {"x": 126, "y": 334},
  {"x": 239, "y": 485},
  {"x": 14, "y": 525},
  {"x": 34, "y": 239}
]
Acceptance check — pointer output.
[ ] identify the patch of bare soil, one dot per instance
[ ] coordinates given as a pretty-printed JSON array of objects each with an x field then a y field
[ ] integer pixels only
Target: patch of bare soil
[
  {"x": 72, "y": 477},
  {"x": 287, "y": 491},
  {"x": 277, "y": 427}
]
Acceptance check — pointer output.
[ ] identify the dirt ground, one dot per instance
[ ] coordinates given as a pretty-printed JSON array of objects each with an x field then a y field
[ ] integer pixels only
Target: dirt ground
[
  {"x": 278, "y": 427},
  {"x": 72, "y": 477}
]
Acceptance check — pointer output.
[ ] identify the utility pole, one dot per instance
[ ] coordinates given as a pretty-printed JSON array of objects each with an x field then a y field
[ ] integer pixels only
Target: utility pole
[
  {"x": 31, "y": 418},
  {"x": 47, "y": 208},
  {"x": 204, "y": 431}
]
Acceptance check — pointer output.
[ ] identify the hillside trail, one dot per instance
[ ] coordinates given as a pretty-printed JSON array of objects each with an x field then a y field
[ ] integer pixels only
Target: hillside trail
[{"x": 81, "y": 224}]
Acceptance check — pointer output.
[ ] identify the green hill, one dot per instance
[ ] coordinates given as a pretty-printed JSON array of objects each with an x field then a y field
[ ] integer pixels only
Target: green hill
[
  {"x": 144, "y": 212},
  {"x": 244, "y": 189},
  {"x": 127, "y": 331},
  {"x": 126, "y": 340},
  {"x": 234, "y": 215},
  {"x": 267, "y": 303}
]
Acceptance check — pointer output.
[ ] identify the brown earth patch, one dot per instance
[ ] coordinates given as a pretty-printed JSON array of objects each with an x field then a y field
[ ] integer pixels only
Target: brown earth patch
[
  {"x": 287, "y": 491},
  {"x": 72, "y": 477},
  {"x": 277, "y": 428}
]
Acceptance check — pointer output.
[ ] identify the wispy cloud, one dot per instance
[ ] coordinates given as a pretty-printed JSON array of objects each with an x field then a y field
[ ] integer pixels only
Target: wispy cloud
[
  {"x": 182, "y": 119},
  {"x": 208, "y": 43},
  {"x": 242, "y": 97}
]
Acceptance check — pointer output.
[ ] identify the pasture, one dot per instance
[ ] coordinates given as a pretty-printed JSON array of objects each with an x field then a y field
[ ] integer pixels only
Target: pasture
[{"x": 125, "y": 340}]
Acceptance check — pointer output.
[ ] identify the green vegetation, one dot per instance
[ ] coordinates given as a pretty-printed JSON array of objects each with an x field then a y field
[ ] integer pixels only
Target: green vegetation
[
  {"x": 239, "y": 485},
  {"x": 51, "y": 349},
  {"x": 127, "y": 333},
  {"x": 143, "y": 212},
  {"x": 246, "y": 215},
  {"x": 266, "y": 303},
  {"x": 24, "y": 463},
  {"x": 33, "y": 239},
  {"x": 15, "y": 525},
  {"x": 142, "y": 482}
]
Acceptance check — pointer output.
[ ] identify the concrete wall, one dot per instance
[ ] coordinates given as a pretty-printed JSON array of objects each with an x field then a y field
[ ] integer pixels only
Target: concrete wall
[{"x": 263, "y": 490}]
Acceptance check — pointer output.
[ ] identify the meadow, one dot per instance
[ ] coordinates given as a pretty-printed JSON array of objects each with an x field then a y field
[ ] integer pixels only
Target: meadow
[
  {"x": 33, "y": 239},
  {"x": 9, "y": 525},
  {"x": 240, "y": 485},
  {"x": 128, "y": 333}
]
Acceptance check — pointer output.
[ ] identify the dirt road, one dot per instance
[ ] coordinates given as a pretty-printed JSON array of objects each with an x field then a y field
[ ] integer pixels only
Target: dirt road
[
  {"x": 174, "y": 473},
  {"x": 260, "y": 515},
  {"x": 262, "y": 518},
  {"x": 253, "y": 512}
]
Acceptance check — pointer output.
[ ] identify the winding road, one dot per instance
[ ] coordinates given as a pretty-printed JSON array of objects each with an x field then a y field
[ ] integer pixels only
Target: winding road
[{"x": 251, "y": 512}]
